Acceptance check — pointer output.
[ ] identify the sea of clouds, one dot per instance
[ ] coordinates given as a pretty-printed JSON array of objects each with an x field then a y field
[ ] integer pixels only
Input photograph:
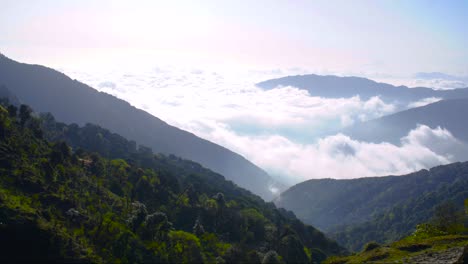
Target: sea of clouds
[{"x": 286, "y": 131}]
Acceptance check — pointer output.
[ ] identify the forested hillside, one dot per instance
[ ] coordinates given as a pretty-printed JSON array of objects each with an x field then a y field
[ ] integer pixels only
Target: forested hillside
[
  {"x": 70, "y": 101},
  {"x": 443, "y": 239},
  {"x": 88, "y": 195},
  {"x": 381, "y": 209}
]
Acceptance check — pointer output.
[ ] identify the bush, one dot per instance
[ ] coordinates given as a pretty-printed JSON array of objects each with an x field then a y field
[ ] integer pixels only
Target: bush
[{"x": 370, "y": 246}]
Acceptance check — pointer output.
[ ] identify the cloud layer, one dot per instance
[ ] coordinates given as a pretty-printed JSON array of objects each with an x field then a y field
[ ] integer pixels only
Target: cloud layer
[
  {"x": 284, "y": 130},
  {"x": 341, "y": 157}
]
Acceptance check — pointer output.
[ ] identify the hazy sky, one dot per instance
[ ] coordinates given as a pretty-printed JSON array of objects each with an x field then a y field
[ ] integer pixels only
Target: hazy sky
[{"x": 371, "y": 38}]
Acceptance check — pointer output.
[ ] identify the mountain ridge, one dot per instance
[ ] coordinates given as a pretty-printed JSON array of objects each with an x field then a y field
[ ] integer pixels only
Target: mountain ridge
[
  {"x": 353, "y": 211},
  {"x": 331, "y": 86},
  {"x": 391, "y": 128},
  {"x": 48, "y": 90}
]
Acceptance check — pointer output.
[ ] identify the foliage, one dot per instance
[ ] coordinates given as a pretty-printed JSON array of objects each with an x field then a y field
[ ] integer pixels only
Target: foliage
[
  {"x": 370, "y": 246},
  {"x": 431, "y": 242},
  {"x": 84, "y": 194},
  {"x": 381, "y": 209}
]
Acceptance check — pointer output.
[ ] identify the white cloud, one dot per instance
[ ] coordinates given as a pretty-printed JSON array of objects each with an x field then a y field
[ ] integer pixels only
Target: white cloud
[
  {"x": 341, "y": 157},
  {"x": 437, "y": 84},
  {"x": 183, "y": 97},
  {"x": 424, "y": 102},
  {"x": 282, "y": 130}
]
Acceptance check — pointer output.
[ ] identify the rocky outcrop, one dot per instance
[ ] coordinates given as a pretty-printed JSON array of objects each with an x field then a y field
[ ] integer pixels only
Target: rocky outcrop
[{"x": 456, "y": 255}]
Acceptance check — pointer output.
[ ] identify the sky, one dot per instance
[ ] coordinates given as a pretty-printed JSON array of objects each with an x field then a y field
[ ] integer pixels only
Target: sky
[
  {"x": 371, "y": 38},
  {"x": 194, "y": 64}
]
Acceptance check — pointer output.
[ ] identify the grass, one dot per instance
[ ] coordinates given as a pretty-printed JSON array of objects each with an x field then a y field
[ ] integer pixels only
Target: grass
[{"x": 401, "y": 251}]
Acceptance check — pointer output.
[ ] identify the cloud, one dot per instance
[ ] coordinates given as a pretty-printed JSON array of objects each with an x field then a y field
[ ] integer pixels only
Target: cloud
[
  {"x": 107, "y": 85},
  {"x": 436, "y": 75},
  {"x": 283, "y": 130},
  {"x": 435, "y": 80},
  {"x": 341, "y": 157},
  {"x": 424, "y": 102},
  {"x": 182, "y": 97},
  {"x": 439, "y": 84}
]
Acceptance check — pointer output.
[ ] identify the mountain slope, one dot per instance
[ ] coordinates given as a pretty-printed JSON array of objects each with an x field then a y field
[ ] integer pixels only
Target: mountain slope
[
  {"x": 70, "y": 101},
  {"x": 448, "y": 114},
  {"x": 441, "y": 240},
  {"x": 342, "y": 87},
  {"x": 60, "y": 204},
  {"x": 380, "y": 208}
]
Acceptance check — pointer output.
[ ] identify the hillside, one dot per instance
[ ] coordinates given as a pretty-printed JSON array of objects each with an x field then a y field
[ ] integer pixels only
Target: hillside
[
  {"x": 61, "y": 204},
  {"x": 449, "y": 249},
  {"x": 357, "y": 211},
  {"x": 70, "y": 101},
  {"x": 341, "y": 87},
  {"x": 441, "y": 240}
]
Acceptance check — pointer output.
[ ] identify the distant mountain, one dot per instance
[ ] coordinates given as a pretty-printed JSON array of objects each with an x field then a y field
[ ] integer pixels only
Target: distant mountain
[
  {"x": 383, "y": 209},
  {"x": 448, "y": 114},
  {"x": 70, "y": 101},
  {"x": 344, "y": 87}
]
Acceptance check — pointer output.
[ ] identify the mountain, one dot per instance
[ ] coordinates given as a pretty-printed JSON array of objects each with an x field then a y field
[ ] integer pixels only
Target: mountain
[
  {"x": 344, "y": 87},
  {"x": 116, "y": 203},
  {"x": 448, "y": 114},
  {"x": 383, "y": 209},
  {"x": 70, "y": 101}
]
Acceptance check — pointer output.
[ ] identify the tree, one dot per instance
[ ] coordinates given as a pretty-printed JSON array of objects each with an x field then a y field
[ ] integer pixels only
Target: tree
[
  {"x": 198, "y": 229},
  {"x": 61, "y": 152},
  {"x": 292, "y": 250},
  {"x": 271, "y": 257},
  {"x": 157, "y": 226},
  {"x": 185, "y": 248},
  {"x": 98, "y": 166},
  {"x": 138, "y": 215},
  {"x": 12, "y": 111},
  {"x": 219, "y": 197},
  {"x": 24, "y": 114},
  {"x": 119, "y": 168},
  {"x": 448, "y": 218},
  {"x": 233, "y": 255}
]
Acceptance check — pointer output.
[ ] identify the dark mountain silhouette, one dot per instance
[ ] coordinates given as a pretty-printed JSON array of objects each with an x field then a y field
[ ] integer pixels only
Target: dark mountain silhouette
[
  {"x": 448, "y": 114},
  {"x": 382, "y": 209},
  {"x": 71, "y": 101},
  {"x": 343, "y": 87}
]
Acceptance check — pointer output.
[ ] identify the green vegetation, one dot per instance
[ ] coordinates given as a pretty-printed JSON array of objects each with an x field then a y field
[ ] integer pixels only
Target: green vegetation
[
  {"x": 399, "y": 221},
  {"x": 442, "y": 240},
  {"x": 84, "y": 194},
  {"x": 381, "y": 209}
]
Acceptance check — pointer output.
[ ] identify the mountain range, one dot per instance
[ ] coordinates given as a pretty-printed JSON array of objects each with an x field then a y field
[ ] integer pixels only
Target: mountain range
[
  {"x": 343, "y": 87},
  {"x": 70, "y": 101}
]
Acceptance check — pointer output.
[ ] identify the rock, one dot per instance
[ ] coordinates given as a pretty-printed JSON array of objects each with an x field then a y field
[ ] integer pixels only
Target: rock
[
  {"x": 454, "y": 255},
  {"x": 75, "y": 215}
]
